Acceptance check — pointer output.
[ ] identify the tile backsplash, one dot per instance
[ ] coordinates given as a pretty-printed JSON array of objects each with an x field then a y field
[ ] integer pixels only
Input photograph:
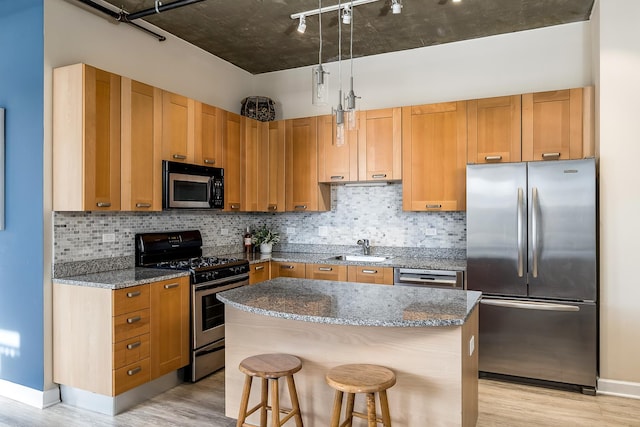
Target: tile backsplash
[{"x": 373, "y": 213}]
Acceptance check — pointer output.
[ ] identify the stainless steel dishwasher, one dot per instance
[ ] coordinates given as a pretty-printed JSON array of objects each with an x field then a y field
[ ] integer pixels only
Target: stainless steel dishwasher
[{"x": 431, "y": 278}]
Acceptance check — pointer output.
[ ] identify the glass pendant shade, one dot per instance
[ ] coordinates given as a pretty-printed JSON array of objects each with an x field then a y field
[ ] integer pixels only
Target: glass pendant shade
[
  {"x": 320, "y": 86},
  {"x": 352, "y": 121}
]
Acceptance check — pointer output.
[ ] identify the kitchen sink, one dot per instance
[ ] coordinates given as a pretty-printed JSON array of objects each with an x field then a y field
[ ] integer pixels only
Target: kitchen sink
[{"x": 362, "y": 258}]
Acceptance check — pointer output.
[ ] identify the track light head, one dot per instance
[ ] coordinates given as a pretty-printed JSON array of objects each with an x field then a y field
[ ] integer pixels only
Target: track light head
[
  {"x": 396, "y": 7},
  {"x": 302, "y": 25},
  {"x": 346, "y": 15}
]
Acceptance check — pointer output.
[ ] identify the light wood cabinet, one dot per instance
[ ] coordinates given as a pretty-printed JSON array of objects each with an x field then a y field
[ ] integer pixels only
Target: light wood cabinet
[
  {"x": 336, "y": 163},
  {"x": 259, "y": 272},
  {"x": 376, "y": 275},
  {"x": 274, "y": 200},
  {"x": 86, "y": 139},
  {"x": 434, "y": 157},
  {"x": 254, "y": 153},
  {"x": 178, "y": 128},
  {"x": 141, "y": 147},
  {"x": 232, "y": 151},
  {"x": 110, "y": 341},
  {"x": 380, "y": 145},
  {"x": 493, "y": 130},
  {"x": 287, "y": 269},
  {"x": 557, "y": 125},
  {"x": 208, "y": 135},
  {"x": 326, "y": 272},
  {"x": 302, "y": 188}
]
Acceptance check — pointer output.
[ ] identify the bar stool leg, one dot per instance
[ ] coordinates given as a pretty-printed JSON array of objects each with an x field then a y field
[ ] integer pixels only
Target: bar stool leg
[
  {"x": 244, "y": 402},
  {"x": 384, "y": 408},
  {"x": 264, "y": 396},
  {"x": 293, "y": 394},
  {"x": 275, "y": 403},
  {"x": 349, "y": 410},
  {"x": 337, "y": 408},
  {"x": 371, "y": 409}
]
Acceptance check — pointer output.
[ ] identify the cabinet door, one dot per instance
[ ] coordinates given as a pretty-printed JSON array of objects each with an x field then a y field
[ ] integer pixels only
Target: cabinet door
[
  {"x": 86, "y": 139},
  {"x": 169, "y": 302},
  {"x": 434, "y": 157},
  {"x": 303, "y": 191},
  {"x": 254, "y": 164},
  {"x": 554, "y": 126},
  {"x": 275, "y": 146},
  {"x": 380, "y": 145},
  {"x": 493, "y": 130},
  {"x": 287, "y": 269},
  {"x": 259, "y": 273},
  {"x": 376, "y": 275},
  {"x": 336, "y": 163},
  {"x": 178, "y": 128},
  {"x": 208, "y": 135},
  {"x": 232, "y": 162},
  {"x": 326, "y": 272},
  {"x": 141, "y": 156}
]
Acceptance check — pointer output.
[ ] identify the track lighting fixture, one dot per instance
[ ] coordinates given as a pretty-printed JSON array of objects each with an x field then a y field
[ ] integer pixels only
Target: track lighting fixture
[
  {"x": 319, "y": 82},
  {"x": 396, "y": 7},
  {"x": 302, "y": 25},
  {"x": 346, "y": 15}
]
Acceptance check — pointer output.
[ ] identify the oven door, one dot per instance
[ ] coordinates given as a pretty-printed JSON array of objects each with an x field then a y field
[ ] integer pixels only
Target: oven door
[{"x": 208, "y": 311}]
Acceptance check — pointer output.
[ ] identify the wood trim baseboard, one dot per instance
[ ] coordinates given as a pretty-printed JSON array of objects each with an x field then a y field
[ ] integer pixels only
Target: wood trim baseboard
[{"x": 619, "y": 388}]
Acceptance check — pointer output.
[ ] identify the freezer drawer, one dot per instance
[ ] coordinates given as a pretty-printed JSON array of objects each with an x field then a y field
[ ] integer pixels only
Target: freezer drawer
[{"x": 540, "y": 340}]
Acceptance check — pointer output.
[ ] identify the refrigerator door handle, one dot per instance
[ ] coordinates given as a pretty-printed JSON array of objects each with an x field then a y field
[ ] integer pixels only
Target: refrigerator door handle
[
  {"x": 534, "y": 230},
  {"x": 520, "y": 232},
  {"x": 530, "y": 305}
]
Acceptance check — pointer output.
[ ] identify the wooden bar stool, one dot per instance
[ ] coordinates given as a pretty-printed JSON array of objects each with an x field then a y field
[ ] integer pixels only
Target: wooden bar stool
[
  {"x": 270, "y": 367},
  {"x": 361, "y": 378}
]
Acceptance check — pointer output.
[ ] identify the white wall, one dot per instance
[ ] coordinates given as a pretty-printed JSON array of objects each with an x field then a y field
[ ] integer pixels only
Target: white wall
[
  {"x": 619, "y": 130},
  {"x": 545, "y": 59}
]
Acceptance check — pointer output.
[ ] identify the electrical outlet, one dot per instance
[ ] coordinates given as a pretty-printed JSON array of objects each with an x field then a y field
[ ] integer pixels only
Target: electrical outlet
[
  {"x": 224, "y": 231},
  {"x": 108, "y": 238},
  {"x": 323, "y": 231},
  {"x": 430, "y": 231},
  {"x": 291, "y": 231}
]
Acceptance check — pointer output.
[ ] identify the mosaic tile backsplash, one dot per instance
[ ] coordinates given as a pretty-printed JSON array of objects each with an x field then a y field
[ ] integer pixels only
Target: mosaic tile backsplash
[{"x": 373, "y": 213}]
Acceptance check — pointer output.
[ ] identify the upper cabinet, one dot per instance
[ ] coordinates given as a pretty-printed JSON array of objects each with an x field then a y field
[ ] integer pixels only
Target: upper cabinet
[
  {"x": 336, "y": 163},
  {"x": 303, "y": 191},
  {"x": 232, "y": 162},
  {"x": 493, "y": 130},
  {"x": 380, "y": 145},
  {"x": 178, "y": 128},
  {"x": 434, "y": 148},
  {"x": 141, "y": 147},
  {"x": 253, "y": 154},
  {"x": 86, "y": 139},
  {"x": 557, "y": 125},
  {"x": 275, "y": 148},
  {"x": 208, "y": 135}
]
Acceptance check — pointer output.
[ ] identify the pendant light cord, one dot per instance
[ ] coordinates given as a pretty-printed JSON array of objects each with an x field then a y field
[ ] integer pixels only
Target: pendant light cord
[
  {"x": 340, "y": 47},
  {"x": 351, "y": 38},
  {"x": 320, "y": 26}
]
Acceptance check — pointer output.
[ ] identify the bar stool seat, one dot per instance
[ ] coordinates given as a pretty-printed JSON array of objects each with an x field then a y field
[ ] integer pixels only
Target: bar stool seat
[
  {"x": 270, "y": 367},
  {"x": 361, "y": 378}
]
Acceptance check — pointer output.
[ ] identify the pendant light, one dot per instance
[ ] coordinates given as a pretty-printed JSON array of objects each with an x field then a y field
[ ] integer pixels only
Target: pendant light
[
  {"x": 319, "y": 81},
  {"x": 339, "y": 110},
  {"x": 351, "y": 97}
]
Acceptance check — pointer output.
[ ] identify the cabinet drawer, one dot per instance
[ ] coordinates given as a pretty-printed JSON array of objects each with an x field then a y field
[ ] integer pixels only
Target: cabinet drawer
[
  {"x": 131, "y": 376},
  {"x": 377, "y": 275},
  {"x": 130, "y": 351},
  {"x": 326, "y": 272},
  {"x": 288, "y": 269},
  {"x": 259, "y": 273},
  {"x": 130, "y": 325},
  {"x": 130, "y": 299}
]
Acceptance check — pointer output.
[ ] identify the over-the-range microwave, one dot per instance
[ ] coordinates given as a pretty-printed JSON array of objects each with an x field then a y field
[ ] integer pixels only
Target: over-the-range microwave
[{"x": 187, "y": 186}]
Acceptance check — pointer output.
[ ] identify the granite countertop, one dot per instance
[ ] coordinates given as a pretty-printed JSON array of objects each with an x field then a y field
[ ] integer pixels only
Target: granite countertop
[
  {"x": 118, "y": 279},
  {"x": 358, "y": 304}
]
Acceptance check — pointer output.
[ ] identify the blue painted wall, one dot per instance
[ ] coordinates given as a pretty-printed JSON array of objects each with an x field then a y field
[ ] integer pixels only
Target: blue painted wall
[{"x": 22, "y": 241}]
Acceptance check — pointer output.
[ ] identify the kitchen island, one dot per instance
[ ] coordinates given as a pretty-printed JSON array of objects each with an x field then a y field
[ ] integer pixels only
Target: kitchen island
[{"x": 427, "y": 336}]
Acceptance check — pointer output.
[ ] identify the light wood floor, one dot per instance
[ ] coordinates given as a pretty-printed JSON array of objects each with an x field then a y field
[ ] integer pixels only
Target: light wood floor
[{"x": 202, "y": 403}]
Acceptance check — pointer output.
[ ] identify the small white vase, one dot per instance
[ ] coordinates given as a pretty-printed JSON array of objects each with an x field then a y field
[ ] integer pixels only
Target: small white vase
[{"x": 265, "y": 248}]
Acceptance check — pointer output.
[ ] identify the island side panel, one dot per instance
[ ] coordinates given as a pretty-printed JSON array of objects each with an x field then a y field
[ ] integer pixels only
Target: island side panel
[
  {"x": 469, "y": 353},
  {"x": 427, "y": 362}
]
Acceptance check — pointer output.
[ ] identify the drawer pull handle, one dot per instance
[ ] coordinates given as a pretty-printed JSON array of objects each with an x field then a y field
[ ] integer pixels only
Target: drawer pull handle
[
  {"x": 369, "y": 271},
  {"x": 379, "y": 175},
  {"x": 434, "y": 206},
  {"x": 134, "y": 319},
  {"x": 234, "y": 206},
  {"x": 210, "y": 162},
  {"x": 134, "y": 345},
  {"x": 143, "y": 205},
  {"x": 325, "y": 268},
  {"x": 301, "y": 207},
  {"x": 337, "y": 177},
  {"x": 550, "y": 156},
  {"x": 134, "y": 371},
  {"x": 133, "y": 294},
  {"x": 260, "y": 267},
  {"x": 273, "y": 207},
  {"x": 492, "y": 158},
  {"x": 287, "y": 267},
  {"x": 171, "y": 285},
  {"x": 179, "y": 156},
  {"x": 103, "y": 204}
]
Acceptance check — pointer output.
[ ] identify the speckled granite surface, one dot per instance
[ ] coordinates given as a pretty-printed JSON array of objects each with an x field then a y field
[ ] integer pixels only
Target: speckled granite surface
[
  {"x": 118, "y": 279},
  {"x": 358, "y": 304}
]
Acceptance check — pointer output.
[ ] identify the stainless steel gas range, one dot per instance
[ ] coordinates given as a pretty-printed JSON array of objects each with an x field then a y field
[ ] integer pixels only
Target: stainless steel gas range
[{"x": 182, "y": 250}]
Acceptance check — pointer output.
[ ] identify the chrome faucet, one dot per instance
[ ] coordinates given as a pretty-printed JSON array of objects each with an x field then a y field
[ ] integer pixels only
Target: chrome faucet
[{"x": 366, "y": 248}]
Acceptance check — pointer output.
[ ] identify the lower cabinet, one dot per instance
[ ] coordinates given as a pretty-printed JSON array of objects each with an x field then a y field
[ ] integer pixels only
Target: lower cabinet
[
  {"x": 326, "y": 272},
  {"x": 287, "y": 269},
  {"x": 368, "y": 274},
  {"x": 110, "y": 341},
  {"x": 259, "y": 272}
]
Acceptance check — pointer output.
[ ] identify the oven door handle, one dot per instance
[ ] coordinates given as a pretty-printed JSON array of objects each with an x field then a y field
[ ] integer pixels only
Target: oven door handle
[
  {"x": 215, "y": 284},
  {"x": 211, "y": 348}
]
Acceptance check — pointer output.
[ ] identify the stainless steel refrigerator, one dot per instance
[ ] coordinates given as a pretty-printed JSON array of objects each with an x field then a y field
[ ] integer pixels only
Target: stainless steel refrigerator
[{"x": 532, "y": 251}]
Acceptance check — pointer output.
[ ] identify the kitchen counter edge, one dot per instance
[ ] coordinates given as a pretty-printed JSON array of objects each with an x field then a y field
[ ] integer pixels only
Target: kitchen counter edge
[{"x": 120, "y": 279}]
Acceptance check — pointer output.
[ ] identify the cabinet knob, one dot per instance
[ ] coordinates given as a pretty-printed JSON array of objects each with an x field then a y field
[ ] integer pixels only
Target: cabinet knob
[
  {"x": 379, "y": 175},
  {"x": 369, "y": 271},
  {"x": 337, "y": 177},
  {"x": 133, "y": 294},
  {"x": 134, "y": 345},
  {"x": 325, "y": 269},
  {"x": 259, "y": 267},
  {"x": 103, "y": 204},
  {"x": 143, "y": 205},
  {"x": 179, "y": 156},
  {"x": 134, "y": 371},
  {"x": 550, "y": 156},
  {"x": 171, "y": 285},
  {"x": 492, "y": 158},
  {"x": 134, "y": 319},
  {"x": 210, "y": 161},
  {"x": 287, "y": 267},
  {"x": 272, "y": 207},
  {"x": 300, "y": 207},
  {"x": 234, "y": 206},
  {"x": 433, "y": 206}
]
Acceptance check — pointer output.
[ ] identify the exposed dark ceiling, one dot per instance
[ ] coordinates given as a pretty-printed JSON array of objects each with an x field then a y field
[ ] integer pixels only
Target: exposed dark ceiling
[{"x": 259, "y": 36}]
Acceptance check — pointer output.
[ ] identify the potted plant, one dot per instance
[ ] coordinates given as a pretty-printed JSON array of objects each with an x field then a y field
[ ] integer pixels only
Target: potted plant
[{"x": 266, "y": 238}]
